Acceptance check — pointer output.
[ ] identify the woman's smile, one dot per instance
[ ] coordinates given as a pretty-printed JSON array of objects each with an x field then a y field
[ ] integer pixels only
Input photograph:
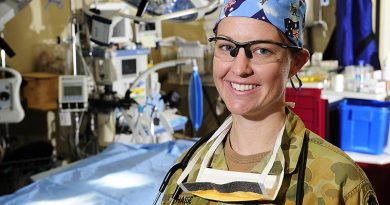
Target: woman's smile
[{"x": 243, "y": 87}]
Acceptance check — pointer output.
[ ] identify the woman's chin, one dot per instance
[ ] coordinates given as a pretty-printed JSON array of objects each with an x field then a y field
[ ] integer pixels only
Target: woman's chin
[{"x": 239, "y": 109}]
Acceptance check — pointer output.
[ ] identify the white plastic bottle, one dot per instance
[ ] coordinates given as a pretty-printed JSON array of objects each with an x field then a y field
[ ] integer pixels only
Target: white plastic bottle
[
  {"x": 349, "y": 78},
  {"x": 359, "y": 76}
]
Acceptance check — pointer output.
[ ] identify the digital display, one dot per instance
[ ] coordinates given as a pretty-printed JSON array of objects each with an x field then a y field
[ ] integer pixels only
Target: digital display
[
  {"x": 129, "y": 66},
  {"x": 73, "y": 90}
]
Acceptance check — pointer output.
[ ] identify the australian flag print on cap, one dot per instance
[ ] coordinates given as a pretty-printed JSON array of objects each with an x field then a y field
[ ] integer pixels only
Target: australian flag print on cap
[
  {"x": 261, "y": 16},
  {"x": 286, "y": 15},
  {"x": 231, "y": 6}
]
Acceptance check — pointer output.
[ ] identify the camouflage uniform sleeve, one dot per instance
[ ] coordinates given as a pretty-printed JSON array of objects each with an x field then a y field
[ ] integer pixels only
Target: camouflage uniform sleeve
[
  {"x": 362, "y": 194},
  {"x": 334, "y": 178}
]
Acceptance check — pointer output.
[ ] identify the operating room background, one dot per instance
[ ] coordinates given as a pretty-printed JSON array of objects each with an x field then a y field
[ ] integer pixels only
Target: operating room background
[{"x": 38, "y": 24}]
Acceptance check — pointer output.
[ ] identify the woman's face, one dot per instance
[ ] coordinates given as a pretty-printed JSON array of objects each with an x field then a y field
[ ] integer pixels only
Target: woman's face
[{"x": 247, "y": 88}]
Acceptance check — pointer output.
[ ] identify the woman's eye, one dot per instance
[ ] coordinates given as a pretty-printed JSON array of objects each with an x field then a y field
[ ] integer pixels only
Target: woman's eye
[
  {"x": 226, "y": 47},
  {"x": 262, "y": 51}
]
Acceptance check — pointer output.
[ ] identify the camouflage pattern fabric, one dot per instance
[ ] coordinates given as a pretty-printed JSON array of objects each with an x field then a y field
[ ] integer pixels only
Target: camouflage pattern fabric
[{"x": 331, "y": 177}]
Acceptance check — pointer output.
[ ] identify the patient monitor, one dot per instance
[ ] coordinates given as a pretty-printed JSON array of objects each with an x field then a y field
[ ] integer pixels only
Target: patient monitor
[{"x": 119, "y": 68}]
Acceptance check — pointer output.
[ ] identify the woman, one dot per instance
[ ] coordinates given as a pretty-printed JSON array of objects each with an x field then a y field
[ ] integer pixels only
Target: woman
[{"x": 263, "y": 154}]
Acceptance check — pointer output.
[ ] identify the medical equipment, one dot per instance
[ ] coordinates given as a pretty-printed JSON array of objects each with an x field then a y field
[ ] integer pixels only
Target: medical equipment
[
  {"x": 108, "y": 27},
  {"x": 195, "y": 88},
  {"x": 123, "y": 65},
  {"x": 11, "y": 110},
  {"x": 150, "y": 111},
  {"x": 166, "y": 64},
  {"x": 113, "y": 65},
  {"x": 106, "y": 128},
  {"x": 314, "y": 16},
  {"x": 9, "y": 8},
  {"x": 119, "y": 68},
  {"x": 184, "y": 162},
  {"x": 73, "y": 93},
  {"x": 148, "y": 34},
  {"x": 195, "y": 98},
  {"x": 193, "y": 50},
  {"x": 193, "y": 12},
  {"x": 159, "y": 8},
  {"x": 106, "y": 106}
]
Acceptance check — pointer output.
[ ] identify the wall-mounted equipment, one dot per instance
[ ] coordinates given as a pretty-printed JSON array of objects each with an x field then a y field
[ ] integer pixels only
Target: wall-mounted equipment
[
  {"x": 11, "y": 110},
  {"x": 184, "y": 10},
  {"x": 148, "y": 34},
  {"x": 73, "y": 93},
  {"x": 110, "y": 28},
  {"x": 9, "y": 9}
]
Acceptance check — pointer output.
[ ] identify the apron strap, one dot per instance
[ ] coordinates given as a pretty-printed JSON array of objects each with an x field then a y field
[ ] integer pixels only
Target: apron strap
[{"x": 301, "y": 170}]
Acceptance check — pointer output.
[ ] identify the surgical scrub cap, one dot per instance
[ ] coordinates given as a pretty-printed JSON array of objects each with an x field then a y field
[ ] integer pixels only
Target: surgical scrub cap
[{"x": 286, "y": 15}]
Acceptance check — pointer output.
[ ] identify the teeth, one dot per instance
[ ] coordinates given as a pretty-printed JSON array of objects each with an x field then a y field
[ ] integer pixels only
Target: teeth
[{"x": 240, "y": 87}]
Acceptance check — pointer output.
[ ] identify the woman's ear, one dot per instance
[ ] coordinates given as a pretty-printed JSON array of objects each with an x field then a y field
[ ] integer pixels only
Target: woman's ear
[{"x": 299, "y": 59}]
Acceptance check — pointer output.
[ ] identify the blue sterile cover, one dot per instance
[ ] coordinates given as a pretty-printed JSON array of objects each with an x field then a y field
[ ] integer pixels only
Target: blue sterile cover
[{"x": 121, "y": 174}]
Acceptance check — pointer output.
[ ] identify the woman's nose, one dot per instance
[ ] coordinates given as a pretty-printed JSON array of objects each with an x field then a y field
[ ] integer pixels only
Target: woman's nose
[{"x": 241, "y": 64}]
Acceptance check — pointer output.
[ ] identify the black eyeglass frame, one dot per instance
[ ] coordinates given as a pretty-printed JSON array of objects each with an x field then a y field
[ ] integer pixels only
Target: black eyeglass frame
[{"x": 248, "y": 44}]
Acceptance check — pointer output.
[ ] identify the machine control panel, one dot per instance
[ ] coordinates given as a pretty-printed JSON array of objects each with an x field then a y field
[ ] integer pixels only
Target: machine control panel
[{"x": 73, "y": 93}]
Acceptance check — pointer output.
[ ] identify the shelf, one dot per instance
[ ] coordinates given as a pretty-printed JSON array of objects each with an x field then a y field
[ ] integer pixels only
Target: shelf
[
  {"x": 334, "y": 96},
  {"x": 369, "y": 158},
  {"x": 318, "y": 85}
]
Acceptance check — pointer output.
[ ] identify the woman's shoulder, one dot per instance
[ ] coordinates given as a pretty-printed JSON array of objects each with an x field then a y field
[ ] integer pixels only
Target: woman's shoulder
[
  {"x": 334, "y": 167},
  {"x": 322, "y": 150}
]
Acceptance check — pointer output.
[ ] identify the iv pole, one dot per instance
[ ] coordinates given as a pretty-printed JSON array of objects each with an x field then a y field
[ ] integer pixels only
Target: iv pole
[{"x": 73, "y": 36}]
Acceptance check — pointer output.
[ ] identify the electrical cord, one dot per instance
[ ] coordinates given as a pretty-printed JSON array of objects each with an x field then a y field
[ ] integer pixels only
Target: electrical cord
[
  {"x": 86, "y": 67},
  {"x": 3, "y": 146},
  {"x": 78, "y": 121}
]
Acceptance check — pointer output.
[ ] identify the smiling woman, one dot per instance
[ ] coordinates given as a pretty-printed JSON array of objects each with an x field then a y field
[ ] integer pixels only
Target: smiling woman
[
  {"x": 263, "y": 154},
  {"x": 266, "y": 73}
]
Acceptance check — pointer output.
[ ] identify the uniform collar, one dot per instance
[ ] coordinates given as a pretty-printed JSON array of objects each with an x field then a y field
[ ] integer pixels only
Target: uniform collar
[{"x": 291, "y": 145}]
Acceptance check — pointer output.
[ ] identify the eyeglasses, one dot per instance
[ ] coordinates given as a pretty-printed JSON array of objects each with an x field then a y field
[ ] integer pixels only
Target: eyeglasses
[{"x": 258, "y": 51}]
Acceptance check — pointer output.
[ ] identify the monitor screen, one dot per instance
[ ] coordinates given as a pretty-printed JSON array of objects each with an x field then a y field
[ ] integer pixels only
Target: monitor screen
[
  {"x": 149, "y": 27},
  {"x": 129, "y": 66},
  {"x": 73, "y": 90}
]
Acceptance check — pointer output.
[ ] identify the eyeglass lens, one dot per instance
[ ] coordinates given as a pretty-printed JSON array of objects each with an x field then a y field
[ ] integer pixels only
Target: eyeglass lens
[{"x": 258, "y": 53}]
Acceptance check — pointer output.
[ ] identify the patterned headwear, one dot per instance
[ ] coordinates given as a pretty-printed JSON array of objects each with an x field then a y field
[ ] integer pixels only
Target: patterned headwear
[{"x": 286, "y": 15}]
